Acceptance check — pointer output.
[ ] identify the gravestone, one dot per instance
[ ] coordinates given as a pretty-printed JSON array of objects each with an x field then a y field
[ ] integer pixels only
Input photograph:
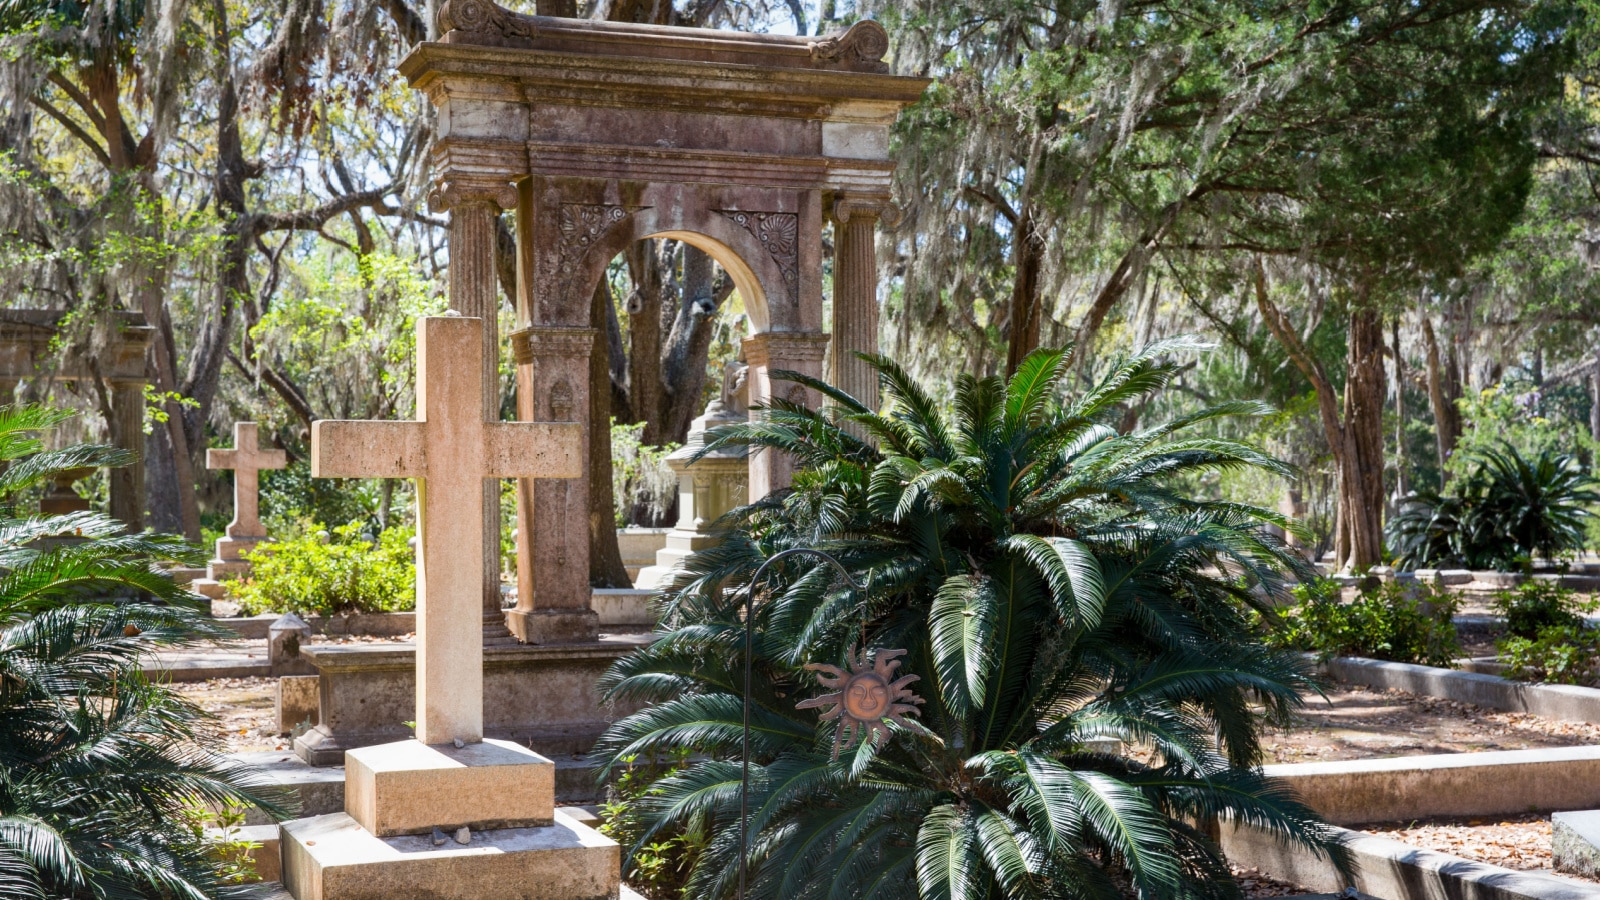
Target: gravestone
[
  {"x": 496, "y": 797},
  {"x": 245, "y": 532}
]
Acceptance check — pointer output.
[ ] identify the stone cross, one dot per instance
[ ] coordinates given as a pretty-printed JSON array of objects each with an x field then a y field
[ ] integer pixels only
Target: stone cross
[
  {"x": 246, "y": 459},
  {"x": 449, "y": 450}
]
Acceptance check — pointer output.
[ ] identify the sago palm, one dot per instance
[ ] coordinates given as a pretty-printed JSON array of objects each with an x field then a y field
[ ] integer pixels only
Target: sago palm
[
  {"x": 98, "y": 766},
  {"x": 1056, "y": 593}
]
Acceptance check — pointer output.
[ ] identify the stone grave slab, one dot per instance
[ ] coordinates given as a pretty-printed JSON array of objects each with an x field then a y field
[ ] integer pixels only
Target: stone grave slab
[{"x": 1575, "y": 842}]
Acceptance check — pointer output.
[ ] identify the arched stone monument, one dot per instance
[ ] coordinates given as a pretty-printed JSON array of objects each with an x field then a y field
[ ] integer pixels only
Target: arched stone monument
[{"x": 599, "y": 134}]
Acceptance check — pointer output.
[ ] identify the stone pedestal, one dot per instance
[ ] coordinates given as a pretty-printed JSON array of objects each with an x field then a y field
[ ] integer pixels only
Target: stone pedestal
[
  {"x": 61, "y": 499},
  {"x": 544, "y": 695},
  {"x": 332, "y": 857},
  {"x": 707, "y": 489},
  {"x": 409, "y": 787},
  {"x": 228, "y": 563}
]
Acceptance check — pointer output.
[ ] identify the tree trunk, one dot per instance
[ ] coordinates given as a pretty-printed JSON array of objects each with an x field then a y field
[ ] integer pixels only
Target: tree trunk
[
  {"x": 688, "y": 343},
  {"x": 1361, "y": 466},
  {"x": 647, "y": 265},
  {"x": 1401, "y": 483},
  {"x": 605, "y": 557},
  {"x": 1025, "y": 301},
  {"x": 1441, "y": 397}
]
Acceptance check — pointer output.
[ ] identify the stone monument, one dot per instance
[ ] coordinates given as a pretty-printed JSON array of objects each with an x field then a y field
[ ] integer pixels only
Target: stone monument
[
  {"x": 244, "y": 533},
  {"x": 448, "y": 814},
  {"x": 708, "y": 487}
]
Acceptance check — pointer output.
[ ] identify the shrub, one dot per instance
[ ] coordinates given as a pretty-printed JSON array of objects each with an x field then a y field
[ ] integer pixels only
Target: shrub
[
  {"x": 348, "y": 572},
  {"x": 1508, "y": 510},
  {"x": 1536, "y": 605},
  {"x": 1050, "y": 583},
  {"x": 1411, "y": 623},
  {"x": 661, "y": 866},
  {"x": 100, "y": 769},
  {"x": 1559, "y": 654}
]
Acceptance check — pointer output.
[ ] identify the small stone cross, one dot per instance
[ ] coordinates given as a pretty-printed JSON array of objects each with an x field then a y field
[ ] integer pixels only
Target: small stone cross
[
  {"x": 246, "y": 459},
  {"x": 449, "y": 450}
]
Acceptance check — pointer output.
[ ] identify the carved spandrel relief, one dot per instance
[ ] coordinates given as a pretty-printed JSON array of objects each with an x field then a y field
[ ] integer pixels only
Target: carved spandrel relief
[
  {"x": 779, "y": 232},
  {"x": 582, "y": 226},
  {"x": 561, "y": 402}
]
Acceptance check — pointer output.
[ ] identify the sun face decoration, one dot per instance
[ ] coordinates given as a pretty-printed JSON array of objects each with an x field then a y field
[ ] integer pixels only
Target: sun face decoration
[{"x": 866, "y": 698}]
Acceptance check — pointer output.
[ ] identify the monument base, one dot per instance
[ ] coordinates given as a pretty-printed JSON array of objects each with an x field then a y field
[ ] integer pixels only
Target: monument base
[
  {"x": 540, "y": 696},
  {"x": 553, "y": 626},
  {"x": 332, "y": 857},
  {"x": 409, "y": 787}
]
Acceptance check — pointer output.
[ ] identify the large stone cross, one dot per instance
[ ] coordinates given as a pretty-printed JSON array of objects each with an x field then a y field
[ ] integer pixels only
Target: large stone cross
[
  {"x": 246, "y": 459},
  {"x": 449, "y": 450}
]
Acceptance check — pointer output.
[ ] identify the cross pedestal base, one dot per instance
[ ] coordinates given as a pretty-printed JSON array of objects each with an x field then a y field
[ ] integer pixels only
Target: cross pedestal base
[
  {"x": 553, "y": 626},
  {"x": 409, "y": 787},
  {"x": 332, "y": 857}
]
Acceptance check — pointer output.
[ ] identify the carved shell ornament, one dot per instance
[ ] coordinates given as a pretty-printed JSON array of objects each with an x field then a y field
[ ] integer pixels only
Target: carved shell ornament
[
  {"x": 865, "y": 698},
  {"x": 484, "y": 17},
  {"x": 861, "y": 47},
  {"x": 779, "y": 232},
  {"x": 582, "y": 224}
]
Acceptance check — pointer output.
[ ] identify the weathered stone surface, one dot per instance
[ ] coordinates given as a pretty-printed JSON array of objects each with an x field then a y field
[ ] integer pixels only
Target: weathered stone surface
[
  {"x": 284, "y": 639},
  {"x": 333, "y": 858},
  {"x": 544, "y": 695},
  {"x": 449, "y": 450},
  {"x": 1575, "y": 842},
  {"x": 295, "y": 702},
  {"x": 409, "y": 787},
  {"x": 1452, "y": 784},
  {"x": 246, "y": 459},
  {"x": 624, "y": 609},
  {"x": 1556, "y": 701}
]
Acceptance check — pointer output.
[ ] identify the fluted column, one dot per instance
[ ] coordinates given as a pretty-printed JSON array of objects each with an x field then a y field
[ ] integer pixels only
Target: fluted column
[
  {"x": 767, "y": 352},
  {"x": 855, "y": 295},
  {"x": 474, "y": 207}
]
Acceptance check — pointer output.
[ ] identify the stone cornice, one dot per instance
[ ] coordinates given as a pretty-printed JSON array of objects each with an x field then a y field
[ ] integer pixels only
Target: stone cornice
[{"x": 860, "y": 48}]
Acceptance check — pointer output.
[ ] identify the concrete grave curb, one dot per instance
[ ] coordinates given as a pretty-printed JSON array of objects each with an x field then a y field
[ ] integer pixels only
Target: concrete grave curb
[
  {"x": 1449, "y": 784},
  {"x": 1388, "y": 868},
  {"x": 1554, "y": 701}
]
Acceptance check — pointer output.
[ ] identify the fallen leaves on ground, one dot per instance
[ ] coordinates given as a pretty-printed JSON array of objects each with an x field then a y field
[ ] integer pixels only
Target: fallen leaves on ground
[{"x": 1512, "y": 842}]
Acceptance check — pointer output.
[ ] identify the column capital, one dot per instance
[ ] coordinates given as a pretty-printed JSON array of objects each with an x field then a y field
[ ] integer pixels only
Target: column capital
[
  {"x": 541, "y": 340},
  {"x": 459, "y": 193},
  {"x": 848, "y": 206},
  {"x": 785, "y": 347}
]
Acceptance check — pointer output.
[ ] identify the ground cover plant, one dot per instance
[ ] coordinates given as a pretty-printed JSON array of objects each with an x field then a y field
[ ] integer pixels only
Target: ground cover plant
[
  {"x": 1507, "y": 511},
  {"x": 331, "y": 572},
  {"x": 100, "y": 769},
  {"x": 1051, "y": 589},
  {"x": 1408, "y": 622}
]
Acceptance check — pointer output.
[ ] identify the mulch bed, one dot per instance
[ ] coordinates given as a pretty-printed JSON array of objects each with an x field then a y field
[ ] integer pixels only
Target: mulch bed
[
  {"x": 1512, "y": 842},
  {"x": 1366, "y": 723}
]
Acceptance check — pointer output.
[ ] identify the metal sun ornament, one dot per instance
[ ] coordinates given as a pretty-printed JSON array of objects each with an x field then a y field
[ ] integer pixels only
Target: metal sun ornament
[{"x": 865, "y": 698}]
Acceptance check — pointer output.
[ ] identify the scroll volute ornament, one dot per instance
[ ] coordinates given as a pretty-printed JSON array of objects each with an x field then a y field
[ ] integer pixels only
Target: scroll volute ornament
[
  {"x": 848, "y": 206},
  {"x": 859, "y": 49},
  {"x": 484, "y": 18},
  {"x": 455, "y": 193}
]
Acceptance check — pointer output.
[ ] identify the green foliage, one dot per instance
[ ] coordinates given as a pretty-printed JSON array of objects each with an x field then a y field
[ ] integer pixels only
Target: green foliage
[
  {"x": 1558, "y": 654},
  {"x": 100, "y": 770},
  {"x": 1050, "y": 587},
  {"x": 1537, "y": 604},
  {"x": 1518, "y": 417},
  {"x": 1507, "y": 510},
  {"x": 643, "y": 486},
  {"x": 337, "y": 572},
  {"x": 1410, "y": 623},
  {"x": 290, "y": 498},
  {"x": 661, "y": 866}
]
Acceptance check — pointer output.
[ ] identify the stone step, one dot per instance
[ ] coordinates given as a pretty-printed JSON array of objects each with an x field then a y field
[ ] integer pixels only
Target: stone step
[
  {"x": 317, "y": 790},
  {"x": 1575, "y": 842}
]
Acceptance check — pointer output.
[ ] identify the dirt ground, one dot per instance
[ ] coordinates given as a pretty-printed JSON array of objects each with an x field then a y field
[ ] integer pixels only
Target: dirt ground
[
  {"x": 243, "y": 707},
  {"x": 1365, "y": 723},
  {"x": 1516, "y": 842}
]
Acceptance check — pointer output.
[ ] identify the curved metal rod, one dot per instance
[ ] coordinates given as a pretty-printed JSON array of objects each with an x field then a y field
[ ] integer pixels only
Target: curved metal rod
[{"x": 749, "y": 656}]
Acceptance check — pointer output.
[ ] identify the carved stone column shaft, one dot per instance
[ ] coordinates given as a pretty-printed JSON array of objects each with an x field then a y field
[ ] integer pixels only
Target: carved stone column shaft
[
  {"x": 474, "y": 291},
  {"x": 855, "y": 299},
  {"x": 127, "y": 482},
  {"x": 767, "y": 352}
]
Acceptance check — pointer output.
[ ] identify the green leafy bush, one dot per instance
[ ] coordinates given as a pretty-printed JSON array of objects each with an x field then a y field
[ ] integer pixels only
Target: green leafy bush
[
  {"x": 1507, "y": 510},
  {"x": 1561, "y": 654},
  {"x": 1534, "y": 606},
  {"x": 1052, "y": 584},
  {"x": 660, "y": 868},
  {"x": 348, "y": 572},
  {"x": 1411, "y": 623}
]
